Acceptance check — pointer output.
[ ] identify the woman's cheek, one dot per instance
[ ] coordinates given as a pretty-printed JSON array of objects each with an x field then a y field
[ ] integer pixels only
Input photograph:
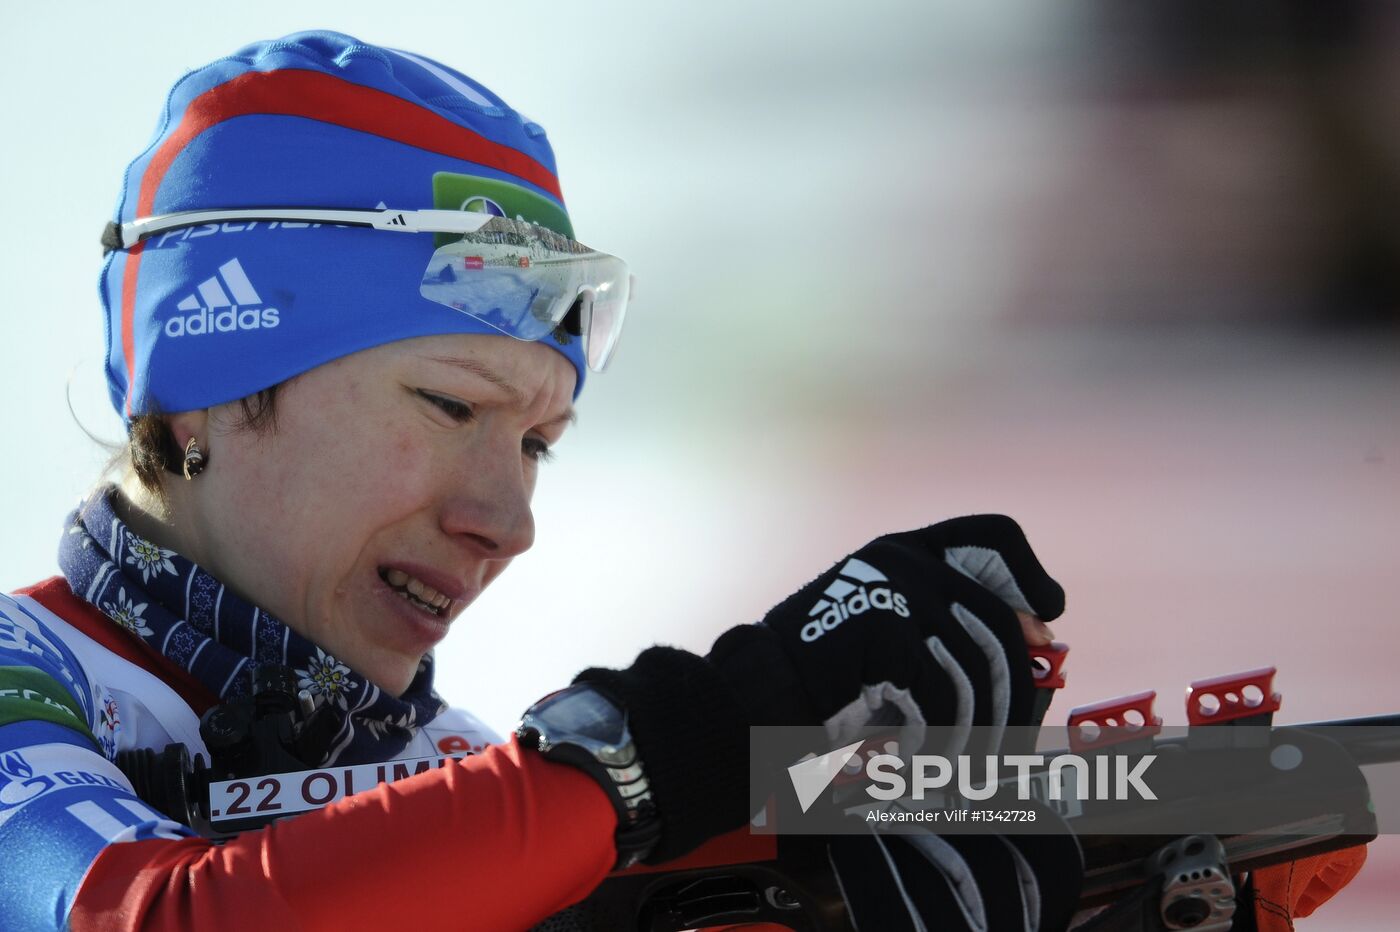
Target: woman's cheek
[{"x": 384, "y": 461}]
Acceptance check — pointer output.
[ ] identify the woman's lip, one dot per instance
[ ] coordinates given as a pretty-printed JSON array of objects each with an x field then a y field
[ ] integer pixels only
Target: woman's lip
[
  {"x": 426, "y": 630},
  {"x": 445, "y": 583}
]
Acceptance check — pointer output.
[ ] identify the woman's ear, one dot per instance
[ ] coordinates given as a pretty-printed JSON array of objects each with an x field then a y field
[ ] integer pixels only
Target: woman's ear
[
  {"x": 187, "y": 425},
  {"x": 190, "y": 432}
]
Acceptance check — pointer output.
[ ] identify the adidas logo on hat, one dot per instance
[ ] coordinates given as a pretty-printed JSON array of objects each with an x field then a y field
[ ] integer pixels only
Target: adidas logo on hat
[
  {"x": 851, "y": 593},
  {"x": 223, "y": 303}
]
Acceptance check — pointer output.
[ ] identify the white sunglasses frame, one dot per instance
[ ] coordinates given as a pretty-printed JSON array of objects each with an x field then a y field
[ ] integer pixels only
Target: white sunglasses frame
[{"x": 129, "y": 234}]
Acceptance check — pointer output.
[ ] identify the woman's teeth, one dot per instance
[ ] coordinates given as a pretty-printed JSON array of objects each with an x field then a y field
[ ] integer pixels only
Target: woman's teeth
[{"x": 417, "y": 591}]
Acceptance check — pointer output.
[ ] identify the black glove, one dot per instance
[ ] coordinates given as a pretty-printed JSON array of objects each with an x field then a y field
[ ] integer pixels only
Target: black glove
[
  {"x": 922, "y": 622},
  {"x": 693, "y": 740},
  {"x": 979, "y": 883}
]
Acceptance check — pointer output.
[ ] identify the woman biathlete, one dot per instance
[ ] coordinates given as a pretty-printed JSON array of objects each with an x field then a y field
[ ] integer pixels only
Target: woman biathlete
[{"x": 346, "y": 319}]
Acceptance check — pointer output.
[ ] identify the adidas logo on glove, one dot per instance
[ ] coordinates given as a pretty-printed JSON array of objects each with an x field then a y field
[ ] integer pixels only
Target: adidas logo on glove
[
  {"x": 851, "y": 593},
  {"x": 222, "y": 303}
]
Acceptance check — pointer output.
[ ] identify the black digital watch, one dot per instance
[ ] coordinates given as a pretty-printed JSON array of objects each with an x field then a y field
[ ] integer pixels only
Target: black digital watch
[{"x": 582, "y": 727}]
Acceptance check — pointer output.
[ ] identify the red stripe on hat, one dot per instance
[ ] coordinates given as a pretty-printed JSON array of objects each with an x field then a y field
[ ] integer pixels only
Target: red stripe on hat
[
  {"x": 133, "y": 263},
  {"x": 328, "y": 99}
]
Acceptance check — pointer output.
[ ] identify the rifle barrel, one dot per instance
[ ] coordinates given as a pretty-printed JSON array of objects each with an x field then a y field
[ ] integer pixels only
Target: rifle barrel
[{"x": 1374, "y": 739}]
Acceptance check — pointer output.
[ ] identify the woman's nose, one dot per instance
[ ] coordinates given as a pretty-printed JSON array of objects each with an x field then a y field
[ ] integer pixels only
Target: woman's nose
[{"x": 488, "y": 506}]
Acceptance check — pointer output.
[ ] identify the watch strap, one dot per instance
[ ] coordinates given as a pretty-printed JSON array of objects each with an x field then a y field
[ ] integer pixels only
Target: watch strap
[
  {"x": 691, "y": 732},
  {"x": 615, "y": 766}
]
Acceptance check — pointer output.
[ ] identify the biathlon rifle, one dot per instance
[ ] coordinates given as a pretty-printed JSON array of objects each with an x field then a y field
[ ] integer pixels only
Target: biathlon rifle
[{"x": 1158, "y": 880}]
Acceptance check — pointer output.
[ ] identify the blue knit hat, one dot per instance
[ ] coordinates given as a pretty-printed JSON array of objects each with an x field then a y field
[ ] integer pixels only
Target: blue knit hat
[{"x": 209, "y": 314}]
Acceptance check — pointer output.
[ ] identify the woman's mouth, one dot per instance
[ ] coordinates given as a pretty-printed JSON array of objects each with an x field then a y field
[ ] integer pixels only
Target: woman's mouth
[{"x": 416, "y": 592}]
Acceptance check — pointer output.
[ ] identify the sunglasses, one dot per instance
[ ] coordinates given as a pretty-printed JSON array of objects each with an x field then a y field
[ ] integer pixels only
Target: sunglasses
[{"x": 519, "y": 278}]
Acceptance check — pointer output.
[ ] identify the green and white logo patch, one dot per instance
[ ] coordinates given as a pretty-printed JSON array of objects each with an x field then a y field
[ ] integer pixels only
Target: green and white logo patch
[
  {"x": 27, "y": 694},
  {"x": 454, "y": 191}
]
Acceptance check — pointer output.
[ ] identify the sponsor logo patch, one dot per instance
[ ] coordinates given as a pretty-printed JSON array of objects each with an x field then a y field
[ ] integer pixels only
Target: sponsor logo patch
[
  {"x": 225, "y": 302},
  {"x": 23, "y": 779},
  {"x": 455, "y": 191},
  {"x": 854, "y": 591}
]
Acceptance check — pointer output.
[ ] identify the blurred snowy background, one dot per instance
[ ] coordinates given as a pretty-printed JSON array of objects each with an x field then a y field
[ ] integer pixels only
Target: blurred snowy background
[{"x": 1126, "y": 272}]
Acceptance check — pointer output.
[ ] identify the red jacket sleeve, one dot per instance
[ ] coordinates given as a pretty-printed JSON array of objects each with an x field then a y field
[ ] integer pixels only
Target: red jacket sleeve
[{"x": 498, "y": 840}]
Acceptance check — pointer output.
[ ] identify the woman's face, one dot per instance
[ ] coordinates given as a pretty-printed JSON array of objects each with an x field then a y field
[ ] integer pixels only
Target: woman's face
[{"x": 395, "y": 487}]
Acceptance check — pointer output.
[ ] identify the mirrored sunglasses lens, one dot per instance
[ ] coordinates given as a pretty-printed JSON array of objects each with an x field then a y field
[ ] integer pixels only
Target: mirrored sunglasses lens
[
  {"x": 604, "y": 321},
  {"x": 526, "y": 289}
]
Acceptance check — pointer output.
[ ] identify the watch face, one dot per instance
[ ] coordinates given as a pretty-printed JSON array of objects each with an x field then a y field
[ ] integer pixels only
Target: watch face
[{"x": 584, "y": 713}]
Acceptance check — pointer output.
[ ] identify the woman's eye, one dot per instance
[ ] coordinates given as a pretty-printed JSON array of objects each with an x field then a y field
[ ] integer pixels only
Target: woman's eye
[
  {"x": 457, "y": 410},
  {"x": 536, "y": 449}
]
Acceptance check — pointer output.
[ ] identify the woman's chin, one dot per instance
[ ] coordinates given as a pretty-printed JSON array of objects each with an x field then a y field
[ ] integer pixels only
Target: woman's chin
[{"x": 386, "y": 639}]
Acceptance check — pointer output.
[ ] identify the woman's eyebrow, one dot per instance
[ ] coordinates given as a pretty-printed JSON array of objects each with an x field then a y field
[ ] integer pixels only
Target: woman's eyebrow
[
  {"x": 570, "y": 416},
  {"x": 517, "y": 398}
]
